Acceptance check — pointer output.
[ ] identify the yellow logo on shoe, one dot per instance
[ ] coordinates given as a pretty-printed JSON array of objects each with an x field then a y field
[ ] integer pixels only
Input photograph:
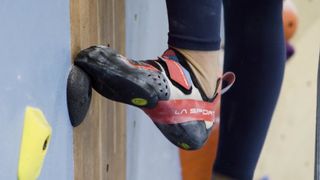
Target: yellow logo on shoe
[
  {"x": 139, "y": 101},
  {"x": 185, "y": 146}
]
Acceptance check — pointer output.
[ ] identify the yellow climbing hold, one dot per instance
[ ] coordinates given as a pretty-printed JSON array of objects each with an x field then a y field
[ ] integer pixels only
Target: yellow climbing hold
[
  {"x": 35, "y": 140},
  {"x": 139, "y": 101}
]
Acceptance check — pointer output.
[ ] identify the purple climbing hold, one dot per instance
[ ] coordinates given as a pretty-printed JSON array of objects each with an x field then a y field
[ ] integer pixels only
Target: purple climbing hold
[{"x": 290, "y": 50}]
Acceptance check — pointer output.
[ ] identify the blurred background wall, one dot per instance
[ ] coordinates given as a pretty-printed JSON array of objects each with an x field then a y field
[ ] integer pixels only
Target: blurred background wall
[{"x": 289, "y": 149}]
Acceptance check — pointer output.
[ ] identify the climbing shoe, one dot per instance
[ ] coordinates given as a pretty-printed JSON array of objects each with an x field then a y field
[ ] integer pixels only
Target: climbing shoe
[{"x": 165, "y": 89}]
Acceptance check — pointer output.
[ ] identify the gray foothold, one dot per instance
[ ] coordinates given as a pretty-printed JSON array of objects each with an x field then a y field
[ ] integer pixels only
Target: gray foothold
[{"x": 78, "y": 95}]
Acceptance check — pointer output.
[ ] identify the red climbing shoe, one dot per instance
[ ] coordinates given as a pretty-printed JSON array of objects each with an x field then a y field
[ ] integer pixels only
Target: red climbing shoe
[{"x": 165, "y": 89}]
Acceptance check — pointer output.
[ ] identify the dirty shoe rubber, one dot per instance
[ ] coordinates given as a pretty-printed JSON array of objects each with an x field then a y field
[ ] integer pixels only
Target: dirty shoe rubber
[{"x": 165, "y": 89}]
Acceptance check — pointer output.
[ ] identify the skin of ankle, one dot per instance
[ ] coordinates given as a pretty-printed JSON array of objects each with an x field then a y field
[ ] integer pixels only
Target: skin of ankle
[{"x": 206, "y": 67}]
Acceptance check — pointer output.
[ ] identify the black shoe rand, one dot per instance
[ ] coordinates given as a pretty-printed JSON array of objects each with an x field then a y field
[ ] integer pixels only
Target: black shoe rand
[{"x": 116, "y": 79}]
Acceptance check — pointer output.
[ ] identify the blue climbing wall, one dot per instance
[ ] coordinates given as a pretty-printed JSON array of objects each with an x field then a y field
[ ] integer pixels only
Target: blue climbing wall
[{"x": 34, "y": 63}]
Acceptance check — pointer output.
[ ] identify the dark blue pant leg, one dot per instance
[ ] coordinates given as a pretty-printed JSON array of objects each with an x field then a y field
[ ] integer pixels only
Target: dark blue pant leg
[
  {"x": 254, "y": 51},
  {"x": 193, "y": 24}
]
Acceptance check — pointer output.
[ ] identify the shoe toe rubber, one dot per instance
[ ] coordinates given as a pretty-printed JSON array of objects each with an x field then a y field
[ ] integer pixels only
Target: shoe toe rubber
[
  {"x": 189, "y": 135},
  {"x": 113, "y": 78}
]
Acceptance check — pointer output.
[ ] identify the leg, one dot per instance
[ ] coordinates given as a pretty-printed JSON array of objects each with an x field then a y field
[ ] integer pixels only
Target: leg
[
  {"x": 194, "y": 30},
  {"x": 194, "y": 25},
  {"x": 255, "y": 52}
]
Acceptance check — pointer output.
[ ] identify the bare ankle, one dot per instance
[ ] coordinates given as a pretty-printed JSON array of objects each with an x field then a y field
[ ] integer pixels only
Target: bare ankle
[{"x": 206, "y": 67}]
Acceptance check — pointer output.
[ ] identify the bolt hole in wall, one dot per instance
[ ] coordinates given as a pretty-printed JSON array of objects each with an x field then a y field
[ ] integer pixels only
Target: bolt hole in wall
[{"x": 45, "y": 144}]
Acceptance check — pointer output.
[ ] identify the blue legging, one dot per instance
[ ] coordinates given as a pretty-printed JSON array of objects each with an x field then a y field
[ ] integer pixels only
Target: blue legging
[{"x": 254, "y": 51}]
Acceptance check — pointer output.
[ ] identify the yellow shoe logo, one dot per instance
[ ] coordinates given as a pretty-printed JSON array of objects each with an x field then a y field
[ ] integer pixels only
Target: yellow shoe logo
[{"x": 139, "y": 101}]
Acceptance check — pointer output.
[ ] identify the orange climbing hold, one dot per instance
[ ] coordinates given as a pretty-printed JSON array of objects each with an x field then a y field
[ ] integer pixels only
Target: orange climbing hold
[{"x": 290, "y": 19}]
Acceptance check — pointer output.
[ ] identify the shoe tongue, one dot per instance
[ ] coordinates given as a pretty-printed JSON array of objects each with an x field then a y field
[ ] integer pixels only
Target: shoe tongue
[
  {"x": 176, "y": 69},
  {"x": 170, "y": 54},
  {"x": 179, "y": 58}
]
